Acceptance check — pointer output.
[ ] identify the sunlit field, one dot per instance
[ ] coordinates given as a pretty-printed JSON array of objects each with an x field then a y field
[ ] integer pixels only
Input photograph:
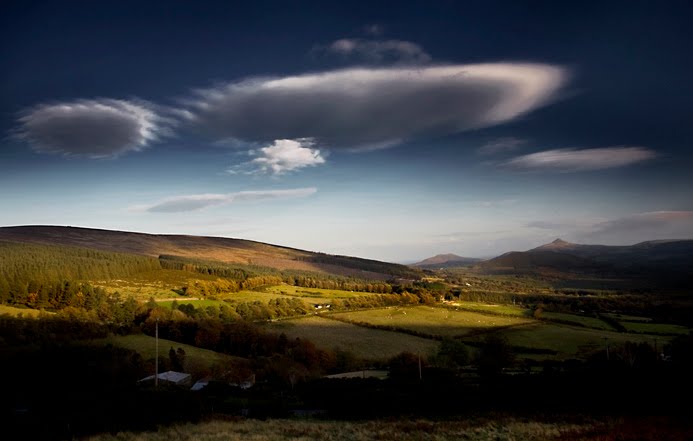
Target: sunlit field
[
  {"x": 432, "y": 321},
  {"x": 363, "y": 342}
]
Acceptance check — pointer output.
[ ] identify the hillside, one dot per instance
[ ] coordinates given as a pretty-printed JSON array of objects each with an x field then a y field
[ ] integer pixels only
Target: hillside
[
  {"x": 221, "y": 249},
  {"x": 445, "y": 261},
  {"x": 650, "y": 258}
]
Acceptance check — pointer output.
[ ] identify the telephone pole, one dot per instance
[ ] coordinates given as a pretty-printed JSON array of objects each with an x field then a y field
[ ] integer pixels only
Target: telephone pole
[{"x": 156, "y": 356}]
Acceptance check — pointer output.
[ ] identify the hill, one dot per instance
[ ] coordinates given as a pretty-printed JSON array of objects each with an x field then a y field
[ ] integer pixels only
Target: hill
[
  {"x": 652, "y": 258},
  {"x": 446, "y": 261},
  {"x": 221, "y": 249}
]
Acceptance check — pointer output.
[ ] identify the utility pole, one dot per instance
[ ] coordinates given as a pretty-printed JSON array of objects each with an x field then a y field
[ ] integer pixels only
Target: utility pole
[
  {"x": 419, "y": 367},
  {"x": 156, "y": 356}
]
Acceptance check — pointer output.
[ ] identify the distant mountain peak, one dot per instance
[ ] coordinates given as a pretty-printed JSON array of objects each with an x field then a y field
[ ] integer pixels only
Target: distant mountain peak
[
  {"x": 556, "y": 244},
  {"x": 446, "y": 260}
]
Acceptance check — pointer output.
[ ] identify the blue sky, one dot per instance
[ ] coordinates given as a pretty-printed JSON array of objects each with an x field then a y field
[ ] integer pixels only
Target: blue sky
[{"x": 392, "y": 131}]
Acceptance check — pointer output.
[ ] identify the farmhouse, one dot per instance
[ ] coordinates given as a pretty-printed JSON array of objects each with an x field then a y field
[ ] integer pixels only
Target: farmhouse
[{"x": 169, "y": 377}]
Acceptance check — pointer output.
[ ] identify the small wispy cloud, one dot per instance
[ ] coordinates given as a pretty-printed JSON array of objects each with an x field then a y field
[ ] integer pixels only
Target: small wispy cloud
[
  {"x": 549, "y": 225},
  {"x": 670, "y": 224},
  {"x": 282, "y": 156},
  {"x": 374, "y": 29},
  {"x": 495, "y": 203},
  {"x": 178, "y": 204},
  {"x": 379, "y": 51},
  {"x": 500, "y": 145},
  {"x": 573, "y": 160},
  {"x": 99, "y": 128}
]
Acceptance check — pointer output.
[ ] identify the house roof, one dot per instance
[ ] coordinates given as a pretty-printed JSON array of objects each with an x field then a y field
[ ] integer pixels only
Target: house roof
[{"x": 171, "y": 376}]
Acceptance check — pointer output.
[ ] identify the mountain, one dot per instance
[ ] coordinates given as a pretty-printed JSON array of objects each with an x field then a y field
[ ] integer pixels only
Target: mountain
[
  {"x": 446, "y": 261},
  {"x": 221, "y": 249},
  {"x": 652, "y": 257}
]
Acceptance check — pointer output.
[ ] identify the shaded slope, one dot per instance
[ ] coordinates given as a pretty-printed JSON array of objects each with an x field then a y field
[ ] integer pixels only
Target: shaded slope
[{"x": 209, "y": 248}]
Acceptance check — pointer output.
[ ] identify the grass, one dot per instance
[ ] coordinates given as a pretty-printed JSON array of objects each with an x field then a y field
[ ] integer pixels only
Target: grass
[
  {"x": 373, "y": 344},
  {"x": 197, "y": 359},
  {"x": 567, "y": 341},
  {"x": 501, "y": 428},
  {"x": 202, "y": 303},
  {"x": 315, "y": 293},
  {"x": 515, "y": 311},
  {"x": 431, "y": 320},
  {"x": 160, "y": 284},
  {"x": 16, "y": 312},
  {"x": 655, "y": 328},
  {"x": 579, "y": 320},
  {"x": 627, "y": 318}
]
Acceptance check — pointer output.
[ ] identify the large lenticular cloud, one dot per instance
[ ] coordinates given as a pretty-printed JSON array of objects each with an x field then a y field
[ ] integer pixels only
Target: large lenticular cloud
[
  {"x": 102, "y": 128},
  {"x": 365, "y": 108}
]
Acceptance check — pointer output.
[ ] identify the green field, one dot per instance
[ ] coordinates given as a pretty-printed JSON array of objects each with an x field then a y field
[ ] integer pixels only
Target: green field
[
  {"x": 15, "y": 312},
  {"x": 431, "y": 320},
  {"x": 655, "y": 328},
  {"x": 568, "y": 341},
  {"x": 579, "y": 320},
  {"x": 490, "y": 308},
  {"x": 159, "y": 284},
  {"x": 197, "y": 359},
  {"x": 314, "y": 295},
  {"x": 627, "y": 318},
  {"x": 365, "y": 343},
  {"x": 201, "y": 303}
]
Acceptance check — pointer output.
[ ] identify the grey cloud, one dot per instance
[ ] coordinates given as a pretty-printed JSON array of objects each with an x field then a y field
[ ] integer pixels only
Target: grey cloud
[
  {"x": 548, "y": 225},
  {"x": 500, "y": 145},
  {"x": 379, "y": 51},
  {"x": 178, "y": 204},
  {"x": 650, "y": 225},
  {"x": 102, "y": 128},
  {"x": 572, "y": 160},
  {"x": 364, "y": 108}
]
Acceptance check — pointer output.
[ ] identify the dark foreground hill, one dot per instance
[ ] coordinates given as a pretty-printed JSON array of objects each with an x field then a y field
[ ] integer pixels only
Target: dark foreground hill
[
  {"x": 208, "y": 248},
  {"x": 446, "y": 261},
  {"x": 649, "y": 259}
]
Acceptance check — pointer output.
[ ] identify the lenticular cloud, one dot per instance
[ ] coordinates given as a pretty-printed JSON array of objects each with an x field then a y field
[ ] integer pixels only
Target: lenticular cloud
[
  {"x": 102, "y": 128},
  {"x": 369, "y": 107}
]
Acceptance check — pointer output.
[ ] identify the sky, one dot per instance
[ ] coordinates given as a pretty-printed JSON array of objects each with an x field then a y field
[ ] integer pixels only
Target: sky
[{"x": 386, "y": 130}]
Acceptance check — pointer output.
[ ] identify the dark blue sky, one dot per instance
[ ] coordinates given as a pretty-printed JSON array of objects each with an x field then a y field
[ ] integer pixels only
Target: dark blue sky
[{"x": 392, "y": 130}]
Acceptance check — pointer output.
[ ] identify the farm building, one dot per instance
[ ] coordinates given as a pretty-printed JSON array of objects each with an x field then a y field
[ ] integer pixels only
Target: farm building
[{"x": 170, "y": 377}]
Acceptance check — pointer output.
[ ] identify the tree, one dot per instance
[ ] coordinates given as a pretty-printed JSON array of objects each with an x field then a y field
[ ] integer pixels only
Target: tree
[
  {"x": 451, "y": 354},
  {"x": 494, "y": 355}
]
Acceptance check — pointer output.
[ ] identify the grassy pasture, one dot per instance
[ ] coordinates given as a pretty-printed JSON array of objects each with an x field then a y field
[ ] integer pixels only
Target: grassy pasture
[
  {"x": 568, "y": 341},
  {"x": 579, "y": 320},
  {"x": 627, "y": 318},
  {"x": 24, "y": 312},
  {"x": 491, "y": 308},
  {"x": 431, "y": 320},
  {"x": 159, "y": 284},
  {"x": 655, "y": 328},
  {"x": 202, "y": 303},
  {"x": 373, "y": 344},
  {"x": 226, "y": 299},
  {"x": 318, "y": 294},
  {"x": 197, "y": 359}
]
